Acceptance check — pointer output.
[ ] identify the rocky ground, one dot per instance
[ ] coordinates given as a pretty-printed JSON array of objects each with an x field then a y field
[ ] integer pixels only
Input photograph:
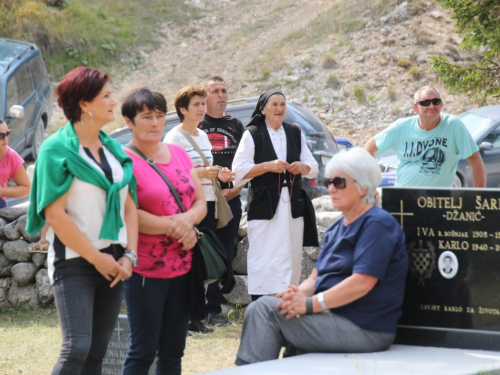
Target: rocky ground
[{"x": 358, "y": 82}]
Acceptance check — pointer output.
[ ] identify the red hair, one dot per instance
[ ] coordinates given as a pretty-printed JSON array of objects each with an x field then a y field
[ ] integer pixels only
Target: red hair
[{"x": 81, "y": 83}]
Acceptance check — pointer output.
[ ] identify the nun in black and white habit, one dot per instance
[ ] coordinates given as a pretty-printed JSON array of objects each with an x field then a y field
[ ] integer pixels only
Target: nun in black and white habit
[{"x": 273, "y": 156}]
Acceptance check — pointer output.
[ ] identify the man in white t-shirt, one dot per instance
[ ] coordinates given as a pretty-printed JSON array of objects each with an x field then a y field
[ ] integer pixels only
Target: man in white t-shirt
[{"x": 429, "y": 145}]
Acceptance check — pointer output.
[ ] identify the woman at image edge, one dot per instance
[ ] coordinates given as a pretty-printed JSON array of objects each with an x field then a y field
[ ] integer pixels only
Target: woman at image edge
[{"x": 84, "y": 189}]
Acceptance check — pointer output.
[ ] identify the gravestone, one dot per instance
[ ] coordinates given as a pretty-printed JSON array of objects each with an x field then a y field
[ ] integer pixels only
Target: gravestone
[
  {"x": 452, "y": 296},
  {"x": 117, "y": 348}
]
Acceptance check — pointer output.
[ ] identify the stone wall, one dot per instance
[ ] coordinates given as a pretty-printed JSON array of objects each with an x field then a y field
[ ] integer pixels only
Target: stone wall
[
  {"x": 23, "y": 276},
  {"x": 24, "y": 282}
]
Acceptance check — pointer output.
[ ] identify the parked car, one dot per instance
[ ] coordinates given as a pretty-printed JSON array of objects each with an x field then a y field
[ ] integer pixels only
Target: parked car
[
  {"x": 343, "y": 143},
  {"x": 484, "y": 125},
  {"x": 26, "y": 99},
  {"x": 319, "y": 140}
]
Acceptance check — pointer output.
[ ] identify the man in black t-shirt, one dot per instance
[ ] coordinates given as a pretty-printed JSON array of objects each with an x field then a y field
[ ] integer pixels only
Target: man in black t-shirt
[{"x": 224, "y": 133}]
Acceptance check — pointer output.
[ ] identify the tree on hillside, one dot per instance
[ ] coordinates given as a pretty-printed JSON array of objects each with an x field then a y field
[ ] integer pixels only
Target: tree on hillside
[{"x": 478, "y": 22}]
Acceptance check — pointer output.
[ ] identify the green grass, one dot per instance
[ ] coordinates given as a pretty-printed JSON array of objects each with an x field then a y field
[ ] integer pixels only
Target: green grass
[
  {"x": 30, "y": 343},
  {"x": 92, "y": 32}
]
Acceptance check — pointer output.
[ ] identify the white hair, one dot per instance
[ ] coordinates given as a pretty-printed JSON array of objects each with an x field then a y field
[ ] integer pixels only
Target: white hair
[
  {"x": 425, "y": 90},
  {"x": 361, "y": 166}
]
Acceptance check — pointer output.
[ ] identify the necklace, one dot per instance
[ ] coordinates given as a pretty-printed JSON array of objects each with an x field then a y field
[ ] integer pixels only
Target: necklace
[{"x": 291, "y": 189}]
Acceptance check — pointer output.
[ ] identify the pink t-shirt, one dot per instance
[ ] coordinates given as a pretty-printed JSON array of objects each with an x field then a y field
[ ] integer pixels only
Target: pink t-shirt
[
  {"x": 9, "y": 166},
  {"x": 161, "y": 256}
]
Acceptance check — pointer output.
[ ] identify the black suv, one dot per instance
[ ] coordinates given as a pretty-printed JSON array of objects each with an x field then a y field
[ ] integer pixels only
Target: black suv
[
  {"x": 26, "y": 99},
  {"x": 320, "y": 141}
]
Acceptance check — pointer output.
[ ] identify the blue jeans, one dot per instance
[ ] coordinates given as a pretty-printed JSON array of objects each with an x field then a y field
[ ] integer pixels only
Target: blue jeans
[
  {"x": 87, "y": 308},
  {"x": 3, "y": 203},
  {"x": 158, "y": 314}
]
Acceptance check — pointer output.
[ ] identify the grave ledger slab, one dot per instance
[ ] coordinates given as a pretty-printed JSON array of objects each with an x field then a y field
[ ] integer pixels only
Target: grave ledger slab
[{"x": 452, "y": 296}]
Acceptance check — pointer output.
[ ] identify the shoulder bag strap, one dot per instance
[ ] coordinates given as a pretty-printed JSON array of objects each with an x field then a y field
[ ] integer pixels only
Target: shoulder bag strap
[
  {"x": 155, "y": 167},
  {"x": 195, "y": 145}
]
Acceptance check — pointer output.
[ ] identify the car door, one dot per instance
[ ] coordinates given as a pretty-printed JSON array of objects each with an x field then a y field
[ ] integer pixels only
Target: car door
[
  {"x": 491, "y": 157},
  {"x": 22, "y": 83}
]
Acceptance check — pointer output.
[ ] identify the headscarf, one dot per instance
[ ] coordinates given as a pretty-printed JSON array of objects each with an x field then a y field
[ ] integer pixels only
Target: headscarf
[{"x": 257, "y": 115}]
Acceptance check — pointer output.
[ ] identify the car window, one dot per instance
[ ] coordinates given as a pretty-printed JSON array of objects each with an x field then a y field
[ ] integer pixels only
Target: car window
[
  {"x": 12, "y": 93},
  {"x": 295, "y": 117},
  {"x": 38, "y": 70},
  {"x": 474, "y": 123},
  {"x": 25, "y": 82},
  {"x": 343, "y": 146},
  {"x": 307, "y": 118},
  {"x": 123, "y": 137},
  {"x": 244, "y": 115},
  {"x": 494, "y": 137}
]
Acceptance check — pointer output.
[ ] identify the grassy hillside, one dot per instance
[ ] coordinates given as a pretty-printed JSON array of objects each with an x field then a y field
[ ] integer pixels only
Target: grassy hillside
[{"x": 91, "y": 32}]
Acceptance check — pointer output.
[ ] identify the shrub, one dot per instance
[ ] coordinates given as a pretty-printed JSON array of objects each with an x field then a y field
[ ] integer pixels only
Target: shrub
[
  {"x": 329, "y": 62},
  {"x": 403, "y": 62},
  {"x": 391, "y": 93},
  {"x": 359, "y": 92},
  {"x": 415, "y": 72},
  {"x": 306, "y": 63},
  {"x": 266, "y": 73},
  {"x": 333, "y": 82}
]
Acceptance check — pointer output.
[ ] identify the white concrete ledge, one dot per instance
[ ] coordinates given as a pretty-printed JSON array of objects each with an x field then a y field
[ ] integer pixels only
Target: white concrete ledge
[{"x": 398, "y": 360}]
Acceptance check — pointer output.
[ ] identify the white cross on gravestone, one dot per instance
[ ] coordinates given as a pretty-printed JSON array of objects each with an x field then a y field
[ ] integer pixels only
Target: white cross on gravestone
[
  {"x": 401, "y": 213},
  {"x": 118, "y": 329}
]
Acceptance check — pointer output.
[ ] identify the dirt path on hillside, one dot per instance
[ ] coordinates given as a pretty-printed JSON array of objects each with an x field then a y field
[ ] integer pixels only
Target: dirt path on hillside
[{"x": 225, "y": 42}]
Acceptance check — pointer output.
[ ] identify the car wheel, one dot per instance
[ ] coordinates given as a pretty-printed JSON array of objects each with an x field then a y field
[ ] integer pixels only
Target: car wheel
[
  {"x": 38, "y": 139},
  {"x": 457, "y": 182}
]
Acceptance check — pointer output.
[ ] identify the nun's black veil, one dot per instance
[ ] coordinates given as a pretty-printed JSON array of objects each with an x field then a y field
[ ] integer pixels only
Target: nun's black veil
[{"x": 257, "y": 115}]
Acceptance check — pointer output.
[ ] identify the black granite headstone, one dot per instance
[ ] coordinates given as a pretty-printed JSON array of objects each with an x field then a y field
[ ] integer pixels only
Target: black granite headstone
[
  {"x": 117, "y": 348},
  {"x": 452, "y": 296}
]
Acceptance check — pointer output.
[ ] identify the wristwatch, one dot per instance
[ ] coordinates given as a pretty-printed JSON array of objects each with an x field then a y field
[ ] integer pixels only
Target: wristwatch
[{"x": 132, "y": 256}]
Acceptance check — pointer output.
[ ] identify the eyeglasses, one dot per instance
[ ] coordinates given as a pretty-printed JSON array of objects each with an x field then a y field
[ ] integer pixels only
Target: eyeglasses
[
  {"x": 338, "y": 182},
  {"x": 3, "y": 135},
  {"x": 426, "y": 103}
]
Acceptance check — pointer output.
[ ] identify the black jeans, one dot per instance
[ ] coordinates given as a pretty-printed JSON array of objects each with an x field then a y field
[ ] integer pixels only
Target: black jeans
[
  {"x": 87, "y": 308},
  {"x": 158, "y": 314},
  {"x": 227, "y": 235}
]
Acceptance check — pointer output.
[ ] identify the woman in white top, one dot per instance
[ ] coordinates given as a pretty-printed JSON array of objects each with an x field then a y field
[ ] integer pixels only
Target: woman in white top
[
  {"x": 84, "y": 188},
  {"x": 190, "y": 106}
]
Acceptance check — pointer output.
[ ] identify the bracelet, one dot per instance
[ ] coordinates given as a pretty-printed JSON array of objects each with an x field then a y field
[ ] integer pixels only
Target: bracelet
[
  {"x": 309, "y": 305},
  {"x": 321, "y": 300}
]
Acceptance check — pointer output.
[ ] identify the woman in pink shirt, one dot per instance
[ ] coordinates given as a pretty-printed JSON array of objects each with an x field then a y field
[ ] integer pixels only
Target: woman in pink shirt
[
  {"x": 158, "y": 296},
  {"x": 11, "y": 167}
]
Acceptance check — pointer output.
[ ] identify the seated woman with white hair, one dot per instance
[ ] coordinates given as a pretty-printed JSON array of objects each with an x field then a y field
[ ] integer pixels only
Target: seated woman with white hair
[{"x": 352, "y": 300}]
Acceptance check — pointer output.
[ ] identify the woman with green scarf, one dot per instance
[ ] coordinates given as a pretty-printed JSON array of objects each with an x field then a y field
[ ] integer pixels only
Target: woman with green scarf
[{"x": 84, "y": 188}]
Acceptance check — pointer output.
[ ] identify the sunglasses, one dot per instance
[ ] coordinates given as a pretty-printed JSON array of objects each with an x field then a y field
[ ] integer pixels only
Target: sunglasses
[
  {"x": 3, "y": 135},
  {"x": 426, "y": 103},
  {"x": 339, "y": 182}
]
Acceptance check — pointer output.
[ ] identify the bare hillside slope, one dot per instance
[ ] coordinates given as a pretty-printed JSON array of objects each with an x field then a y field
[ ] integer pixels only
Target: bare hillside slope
[{"x": 356, "y": 64}]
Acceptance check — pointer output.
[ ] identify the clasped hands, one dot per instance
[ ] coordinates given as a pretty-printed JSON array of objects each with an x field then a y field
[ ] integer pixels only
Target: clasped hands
[
  {"x": 279, "y": 166},
  {"x": 181, "y": 228},
  {"x": 222, "y": 173},
  {"x": 292, "y": 303},
  {"x": 113, "y": 270}
]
